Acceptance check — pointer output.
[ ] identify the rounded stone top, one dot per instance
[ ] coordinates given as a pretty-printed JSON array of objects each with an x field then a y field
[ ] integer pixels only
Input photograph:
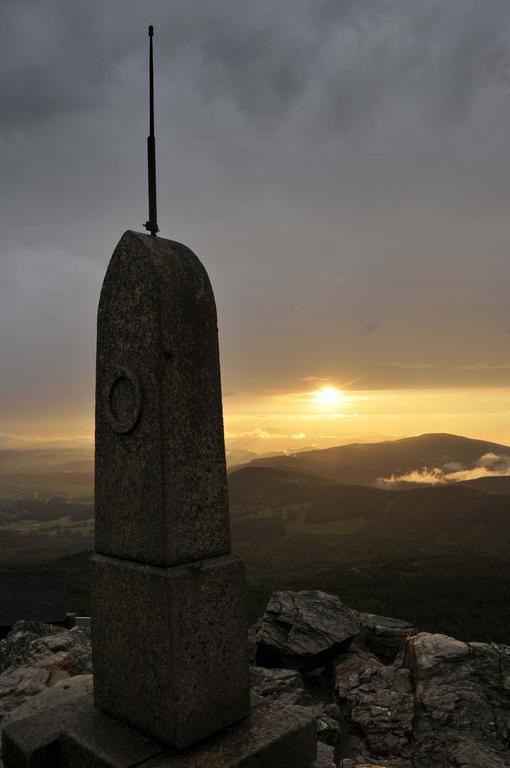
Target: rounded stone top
[{"x": 160, "y": 493}]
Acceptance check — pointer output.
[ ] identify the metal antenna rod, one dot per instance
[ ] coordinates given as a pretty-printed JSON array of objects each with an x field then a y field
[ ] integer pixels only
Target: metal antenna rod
[{"x": 152, "y": 224}]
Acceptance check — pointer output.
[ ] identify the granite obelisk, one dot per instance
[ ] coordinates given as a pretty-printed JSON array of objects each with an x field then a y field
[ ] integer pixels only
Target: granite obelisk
[{"x": 168, "y": 620}]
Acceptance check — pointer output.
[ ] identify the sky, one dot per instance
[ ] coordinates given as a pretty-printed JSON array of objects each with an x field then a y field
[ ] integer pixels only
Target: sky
[{"x": 342, "y": 169}]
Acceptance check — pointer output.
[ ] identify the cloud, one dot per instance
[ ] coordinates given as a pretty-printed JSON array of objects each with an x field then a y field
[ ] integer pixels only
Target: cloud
[
  {"x": 488, "y": 465},
  {"x": 12, "y": 441},
  {"x": 411, "y": 366},
  {"x": 339, "y": 64},
  {"x": 326, "y": 159},
  {"x": 486, "y": 367},
  {"x": 426, "y": 476}
]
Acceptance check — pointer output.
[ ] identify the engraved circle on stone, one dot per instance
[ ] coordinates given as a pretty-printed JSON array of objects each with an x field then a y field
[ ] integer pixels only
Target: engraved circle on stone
[{"x": 123, "y": 401}]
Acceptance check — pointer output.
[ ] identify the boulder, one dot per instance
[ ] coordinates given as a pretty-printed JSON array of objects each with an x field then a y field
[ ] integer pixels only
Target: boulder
[
  {"x": 327, "y": 723},
  {"x": 20, "y": 645},
  {"x": 37, "y": 656},
  {"x": 285, "y": 685},
  {"x": 441, "y": 703},
  {"x": 351, "y": 670},
  {"x": 385, "y": 718},
  {"x": 325, "y": 756},
  {"x": 62, "y": 691},
  {"x": 462, "y": 693},
  {"x": 304, "y": 630},
  {"x": 386, "y": 637}
]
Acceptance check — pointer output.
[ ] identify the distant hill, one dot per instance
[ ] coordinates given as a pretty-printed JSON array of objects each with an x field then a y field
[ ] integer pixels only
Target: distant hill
[
  {"x": 286, "y": 519},
  {"x": 34, "y": 460},
  {"x": 265, "y": 486},
  {"x": 495, "y": 485},
  {"x": 365, "y": 463}
]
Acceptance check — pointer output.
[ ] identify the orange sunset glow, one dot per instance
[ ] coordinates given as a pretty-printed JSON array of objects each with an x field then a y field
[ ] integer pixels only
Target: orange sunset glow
[{"x": 329, "y": 415}]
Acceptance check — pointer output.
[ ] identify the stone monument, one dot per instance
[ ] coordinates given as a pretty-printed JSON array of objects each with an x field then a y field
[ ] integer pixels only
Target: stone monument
[
  {"x": 163, "y": 577},
  {"x": 169, "y": 633}
]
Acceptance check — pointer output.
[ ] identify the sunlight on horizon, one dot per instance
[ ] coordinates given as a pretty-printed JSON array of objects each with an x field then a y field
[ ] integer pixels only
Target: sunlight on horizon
[
  {"x": 327, "y": 398},
  {"x": 275, "y": 421},
  {"x": 329, "y": 416}
]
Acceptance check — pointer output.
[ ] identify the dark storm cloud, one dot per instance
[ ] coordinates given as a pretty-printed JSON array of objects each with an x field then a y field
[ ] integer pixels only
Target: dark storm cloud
[
  {"x": 350, "y": 58},
  {"x": 331, "y": 160}
]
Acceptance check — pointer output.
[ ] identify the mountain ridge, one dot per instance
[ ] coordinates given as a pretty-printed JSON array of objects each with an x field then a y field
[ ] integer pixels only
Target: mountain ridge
[{"x": 366, "y": 463}]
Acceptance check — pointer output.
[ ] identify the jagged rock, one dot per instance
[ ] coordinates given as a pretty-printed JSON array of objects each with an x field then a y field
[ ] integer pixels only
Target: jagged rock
[
  {"x": 325, "y": 756},
  {"x": 441, "y": 704},
  {"x": 304, "y": 630},
  {"x": 15, "y": 649},
  {"x": 462, "y": 694},
  {"x": 36, "y": 656},
  {"x": 353, "y": 669},
  {"x": 326, "y": 722},
  {"x": 386, "y": 637},
  {"x": 385, "y": 719},
  {"x": 378, "y": 701},
  {"x": 286, "y": 685}
]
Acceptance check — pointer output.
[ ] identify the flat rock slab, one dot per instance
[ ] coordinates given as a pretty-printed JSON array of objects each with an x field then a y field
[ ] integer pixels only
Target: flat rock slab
[
  {"x": 74, "y": 734},
  {"x": 77, "y": 736},
  {"x": 272, "y": 737}
]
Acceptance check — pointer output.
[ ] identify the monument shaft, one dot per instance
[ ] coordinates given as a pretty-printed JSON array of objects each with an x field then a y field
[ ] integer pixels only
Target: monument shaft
[{"x": 161, "y": 486}]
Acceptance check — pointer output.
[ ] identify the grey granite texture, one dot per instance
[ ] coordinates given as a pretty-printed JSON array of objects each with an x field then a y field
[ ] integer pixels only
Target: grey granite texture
[
  {"x": 77, "y": 736},
  {"x": 74, "y": 735},
  {"x": 169, "y": 646},
  {"x": 274, "y": 736},
  {"x": 161, "y": 489}
]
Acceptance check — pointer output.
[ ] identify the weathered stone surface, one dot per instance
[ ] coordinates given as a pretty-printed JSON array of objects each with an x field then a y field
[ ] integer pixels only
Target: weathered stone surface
[
  {"x": 30, "y": 641},
  {"x": 385, "y": 718},
  {"x": 36, "y": 656},
  {"x": 325, "y": 756},
  {"x": 74, "y": 735},
  {"x": 304, "y": 630},
  {"x": 353, "y": 669},
  {"x": 462, "y": 692},
  {"x": 60, "y": 693},
  {"x": 386, "y": 637},
  {"x": 285, "y": 685},
  {"x": 327, "y": 723},
  {"x": 77, "y": 736},
  {"x": 169, "y": 646},
  {"x": 274, "y": 736},
  {"x": 161, "y": 492}
]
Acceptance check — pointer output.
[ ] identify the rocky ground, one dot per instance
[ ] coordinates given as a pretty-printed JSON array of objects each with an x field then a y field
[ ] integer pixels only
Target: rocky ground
[{"x": 383, "y": 693}]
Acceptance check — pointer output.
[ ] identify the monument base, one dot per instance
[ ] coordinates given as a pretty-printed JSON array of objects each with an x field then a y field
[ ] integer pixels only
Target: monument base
[
  {"x": 169, "y": 646},
  {"x": 75, "y": 735}
]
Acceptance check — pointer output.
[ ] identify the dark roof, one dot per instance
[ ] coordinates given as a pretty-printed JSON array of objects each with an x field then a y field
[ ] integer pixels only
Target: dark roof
[{"x": 32, "y": 595}]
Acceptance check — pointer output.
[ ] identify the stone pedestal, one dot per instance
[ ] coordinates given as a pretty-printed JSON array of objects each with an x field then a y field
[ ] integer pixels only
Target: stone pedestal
[{"x": 170, "y": 647}]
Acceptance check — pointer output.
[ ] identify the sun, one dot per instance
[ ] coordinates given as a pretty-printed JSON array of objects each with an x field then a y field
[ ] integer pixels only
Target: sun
[{"x": 328, "y": 397}]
